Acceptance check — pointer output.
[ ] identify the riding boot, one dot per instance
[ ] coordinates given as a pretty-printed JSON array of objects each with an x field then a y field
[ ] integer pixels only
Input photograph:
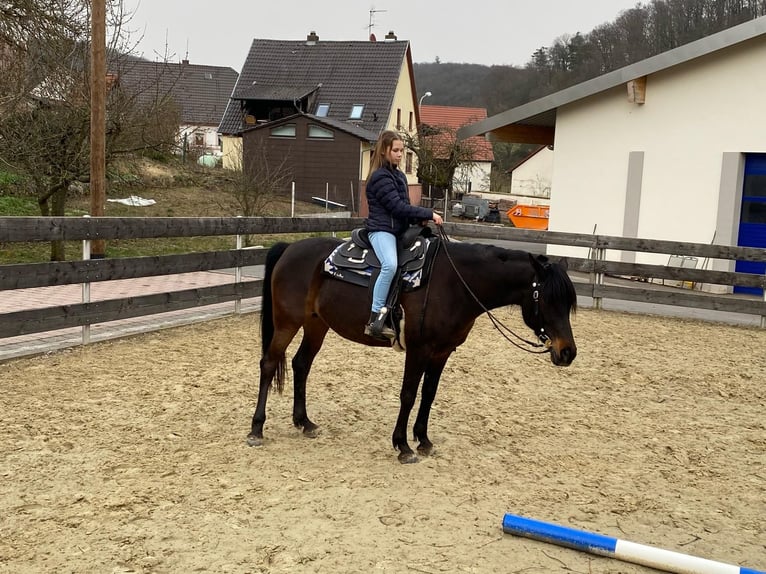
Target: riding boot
[{"x": 376, "y": 326}]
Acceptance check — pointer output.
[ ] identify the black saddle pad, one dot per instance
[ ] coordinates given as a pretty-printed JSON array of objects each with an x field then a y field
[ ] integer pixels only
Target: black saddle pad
[{"x": 355, "y": 261}]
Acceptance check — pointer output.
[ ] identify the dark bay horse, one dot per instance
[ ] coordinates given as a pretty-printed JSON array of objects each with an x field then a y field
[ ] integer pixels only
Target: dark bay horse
[{"x": 466, "y": 280}]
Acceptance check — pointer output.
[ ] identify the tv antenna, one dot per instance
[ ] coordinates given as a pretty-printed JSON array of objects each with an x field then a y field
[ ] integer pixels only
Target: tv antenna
[{"x": 373, "y": 11}]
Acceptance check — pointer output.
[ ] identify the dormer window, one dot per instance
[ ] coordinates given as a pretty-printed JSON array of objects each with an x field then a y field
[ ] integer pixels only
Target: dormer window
[
  {"x": 323, "y": 110},
  {"x": 356, "y": 112}
]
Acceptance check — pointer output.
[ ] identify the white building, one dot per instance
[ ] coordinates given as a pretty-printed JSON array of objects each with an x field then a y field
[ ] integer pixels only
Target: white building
[
  {"x": 672, "y": 147},
  {"x": 532, "y": 177},
  {"x": 473, "y": 177}
]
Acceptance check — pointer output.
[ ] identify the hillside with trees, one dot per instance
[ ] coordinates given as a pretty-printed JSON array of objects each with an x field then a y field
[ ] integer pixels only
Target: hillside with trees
[{"x": 646, "y": 30}]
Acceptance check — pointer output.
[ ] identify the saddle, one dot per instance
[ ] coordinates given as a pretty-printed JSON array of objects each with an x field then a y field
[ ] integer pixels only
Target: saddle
[{"x": 354, "y": 260}]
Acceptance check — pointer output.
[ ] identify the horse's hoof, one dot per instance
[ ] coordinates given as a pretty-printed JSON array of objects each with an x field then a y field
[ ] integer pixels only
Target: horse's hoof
[
  {"x": 253, "y": 440},
  {"x": 311, "y": 432},
  {"x": 425, "y": 450},
  {"x": 408, "y": 458}
]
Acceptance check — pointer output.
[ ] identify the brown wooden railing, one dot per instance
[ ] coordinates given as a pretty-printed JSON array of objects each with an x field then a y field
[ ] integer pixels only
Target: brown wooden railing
[{"x": 593, "y": 269}]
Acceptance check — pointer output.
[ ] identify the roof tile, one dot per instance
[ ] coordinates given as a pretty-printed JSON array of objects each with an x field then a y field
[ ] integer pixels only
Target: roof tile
[
  {"x": 201, "y": 92},
  {"x": 454, "y": 118}
]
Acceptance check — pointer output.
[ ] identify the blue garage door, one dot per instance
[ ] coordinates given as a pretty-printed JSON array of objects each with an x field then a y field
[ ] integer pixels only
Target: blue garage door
[{"x": 752, "y": 222}]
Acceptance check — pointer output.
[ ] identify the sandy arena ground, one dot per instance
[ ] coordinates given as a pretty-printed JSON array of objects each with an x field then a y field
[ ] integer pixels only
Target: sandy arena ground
[{"x": 130, "y": 455}]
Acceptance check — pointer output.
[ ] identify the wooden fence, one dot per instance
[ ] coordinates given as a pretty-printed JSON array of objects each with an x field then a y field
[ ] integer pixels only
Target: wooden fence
[{"x": 595, "y": 267}]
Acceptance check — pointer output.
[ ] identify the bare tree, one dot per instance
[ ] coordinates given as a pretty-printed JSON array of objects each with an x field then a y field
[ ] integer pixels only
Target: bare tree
[
  {"x": 45, "y": 102},
  {"x": 256, "y": 184},
  {"x": 440, "y": 153}
]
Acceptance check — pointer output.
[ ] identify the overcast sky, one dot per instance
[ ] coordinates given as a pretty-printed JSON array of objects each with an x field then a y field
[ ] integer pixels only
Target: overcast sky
[{"x": 219, "y": 33}]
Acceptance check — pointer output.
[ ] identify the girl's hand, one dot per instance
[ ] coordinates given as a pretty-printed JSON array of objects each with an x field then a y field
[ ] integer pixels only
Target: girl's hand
[{"x": 437, "y": 219}]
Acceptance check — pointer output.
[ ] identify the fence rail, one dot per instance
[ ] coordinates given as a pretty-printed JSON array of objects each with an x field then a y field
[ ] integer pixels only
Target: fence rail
[{"x": 595, "y": 268}]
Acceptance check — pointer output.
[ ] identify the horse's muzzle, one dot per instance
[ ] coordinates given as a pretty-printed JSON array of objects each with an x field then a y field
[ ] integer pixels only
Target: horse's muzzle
[{"x": 563, "y": 356}]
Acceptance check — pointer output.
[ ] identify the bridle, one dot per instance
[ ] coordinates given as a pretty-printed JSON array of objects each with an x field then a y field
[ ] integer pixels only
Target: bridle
[
  {"x": 539, "y": 331},
  {"x": 504, "y": 330}
]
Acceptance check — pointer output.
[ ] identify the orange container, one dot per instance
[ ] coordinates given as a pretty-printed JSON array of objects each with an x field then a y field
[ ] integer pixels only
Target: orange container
[{"x": 529, "y": 216}]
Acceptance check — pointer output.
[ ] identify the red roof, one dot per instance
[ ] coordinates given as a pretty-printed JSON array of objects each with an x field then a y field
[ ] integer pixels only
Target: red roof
[{"x": 453, "y": 118}]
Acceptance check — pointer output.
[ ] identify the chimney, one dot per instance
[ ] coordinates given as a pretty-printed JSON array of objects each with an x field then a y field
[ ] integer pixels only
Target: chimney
[
  {"x": 390, "y": 35},
  {"x": 312, "y": 38}
]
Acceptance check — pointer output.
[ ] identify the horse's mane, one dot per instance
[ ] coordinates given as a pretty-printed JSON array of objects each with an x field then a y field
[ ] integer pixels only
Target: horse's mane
[{"x": 558, "y": 285}]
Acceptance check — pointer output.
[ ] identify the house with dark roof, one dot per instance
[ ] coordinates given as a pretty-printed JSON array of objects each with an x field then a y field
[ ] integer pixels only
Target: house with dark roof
[
  {"x": 672, "y": 147},
  {"x": 445, "y": 121},
  {"x": 200, "y": 92},
  {"x": 308, "y": 99}
]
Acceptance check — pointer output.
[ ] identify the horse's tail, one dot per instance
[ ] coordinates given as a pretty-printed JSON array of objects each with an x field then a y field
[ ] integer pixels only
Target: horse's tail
[{"x": 267, "y": 312}]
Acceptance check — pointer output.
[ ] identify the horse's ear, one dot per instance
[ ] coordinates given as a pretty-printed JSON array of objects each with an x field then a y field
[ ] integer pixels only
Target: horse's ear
[
  {"x": 564, "y": 263},
  {"x": 540, "y": 264}
]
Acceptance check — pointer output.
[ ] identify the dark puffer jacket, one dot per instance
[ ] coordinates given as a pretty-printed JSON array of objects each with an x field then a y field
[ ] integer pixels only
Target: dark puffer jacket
[{"x": 388, "y": 201}]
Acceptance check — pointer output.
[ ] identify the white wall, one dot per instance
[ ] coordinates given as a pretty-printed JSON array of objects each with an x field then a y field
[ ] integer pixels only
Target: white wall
[
  {"x": 210, "y": 134},
  {"x": 477, "y": 173},
  {"x": 694, "y": 114},
  {"x": 533, "y": 178}
]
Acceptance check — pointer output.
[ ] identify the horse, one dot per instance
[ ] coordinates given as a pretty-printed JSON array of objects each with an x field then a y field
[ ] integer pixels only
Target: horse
[{"x": 466, "y": 280}]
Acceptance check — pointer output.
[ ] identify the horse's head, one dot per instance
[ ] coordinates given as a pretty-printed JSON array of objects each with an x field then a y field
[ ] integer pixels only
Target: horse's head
[{"x": 547, "y": 306}]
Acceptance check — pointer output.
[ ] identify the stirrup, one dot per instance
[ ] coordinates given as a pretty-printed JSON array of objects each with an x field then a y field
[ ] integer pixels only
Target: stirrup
[{"x": 377, "y": 328}]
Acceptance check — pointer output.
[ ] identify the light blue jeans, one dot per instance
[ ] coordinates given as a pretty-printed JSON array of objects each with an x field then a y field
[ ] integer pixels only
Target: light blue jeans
[{"x": 384, "y": 244}]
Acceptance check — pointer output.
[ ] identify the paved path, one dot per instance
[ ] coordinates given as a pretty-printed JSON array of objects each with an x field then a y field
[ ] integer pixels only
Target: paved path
[{"x": 35, "y": 298}]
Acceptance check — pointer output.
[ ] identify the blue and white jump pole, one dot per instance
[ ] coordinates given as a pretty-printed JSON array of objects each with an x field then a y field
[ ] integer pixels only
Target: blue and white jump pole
[{"x": 615, "y": 548}]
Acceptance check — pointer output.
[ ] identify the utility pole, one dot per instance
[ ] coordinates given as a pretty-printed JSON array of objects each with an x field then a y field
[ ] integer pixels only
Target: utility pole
[{"x": 97, "y": 117}]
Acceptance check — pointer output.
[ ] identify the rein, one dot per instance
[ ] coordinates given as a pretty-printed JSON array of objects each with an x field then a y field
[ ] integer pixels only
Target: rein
[{"x": 496, "y": 323}]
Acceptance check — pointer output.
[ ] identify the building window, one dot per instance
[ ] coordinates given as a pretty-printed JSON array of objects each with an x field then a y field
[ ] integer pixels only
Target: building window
[
  {"x": 408, "y": 162},
  {"x": 410, "y": 123},
  {"x": 199, "y": 139},
  {"x": 356, "y": 112},
  {"x": 285, "y": 131},
  {"x": 398, "y": 118},
  {"x": 323, "y": 110},
  {"x": 320, "y": 132}
]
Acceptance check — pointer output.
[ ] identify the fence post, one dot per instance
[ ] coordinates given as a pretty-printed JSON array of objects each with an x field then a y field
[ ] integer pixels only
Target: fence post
[
  {"x": 86, "y": 289},
  {"x": 599, "y": 254},
  {"x": 238, "y": 275}
]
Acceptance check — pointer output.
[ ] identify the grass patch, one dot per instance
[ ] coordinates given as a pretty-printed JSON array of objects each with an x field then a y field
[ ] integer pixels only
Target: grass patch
[
  {"x": 170, "y": 202},
  {"x": 11, "y": 205}
]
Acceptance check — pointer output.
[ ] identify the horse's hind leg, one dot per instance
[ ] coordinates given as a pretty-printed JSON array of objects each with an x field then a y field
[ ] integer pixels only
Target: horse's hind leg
[
  {"x": 428, "y": 393},
  {"x": 314, "y": 331},
  {"x": 272, "y": 360}
]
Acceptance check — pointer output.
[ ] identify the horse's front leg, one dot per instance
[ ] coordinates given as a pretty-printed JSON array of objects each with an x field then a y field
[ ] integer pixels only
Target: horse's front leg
[
  {"x": 413, "y": 371},
  {"x": 314, "y": 331},
  {"x": 430, "y": 385}
]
